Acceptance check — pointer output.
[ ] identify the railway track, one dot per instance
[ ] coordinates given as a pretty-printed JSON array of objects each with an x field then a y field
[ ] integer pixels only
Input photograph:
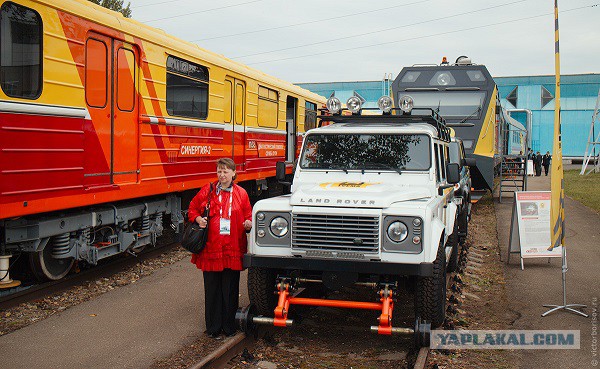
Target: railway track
[
  {"x": 107, "y": 269},
  {"x": 230, "y": 353},
  {"x": 227, "y": 354}
]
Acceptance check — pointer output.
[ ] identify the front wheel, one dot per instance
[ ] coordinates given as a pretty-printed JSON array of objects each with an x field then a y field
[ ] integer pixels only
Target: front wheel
[
  {"x": 430, "y": 294},
  {"x": 261, "y": 290}
]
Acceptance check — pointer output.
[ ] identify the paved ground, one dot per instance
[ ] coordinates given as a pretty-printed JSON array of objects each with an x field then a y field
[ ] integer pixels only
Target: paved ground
[
  {"x": 540, "y": 283},
  {"x": 129, "y": 327}
]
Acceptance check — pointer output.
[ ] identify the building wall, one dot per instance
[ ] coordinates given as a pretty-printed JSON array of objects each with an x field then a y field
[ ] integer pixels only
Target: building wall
[{"x": 578, "y": 100}]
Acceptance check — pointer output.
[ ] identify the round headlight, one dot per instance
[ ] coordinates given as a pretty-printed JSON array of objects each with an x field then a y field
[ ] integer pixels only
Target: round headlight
[
  {"x": 279, "y": 226},
  {"x": 354, "y": 104},
  {"x": 417, "y": 222},
  {"x": 260, "y": 216},
  {"x": 406, "y": 103},
  {"x": 260, "y": 233},
  {"x": 385, "y": 104},
  {"x": 397, "y": 231},
  {"x": 443, "y": 79},
  {"x": 334, "y": 105}
]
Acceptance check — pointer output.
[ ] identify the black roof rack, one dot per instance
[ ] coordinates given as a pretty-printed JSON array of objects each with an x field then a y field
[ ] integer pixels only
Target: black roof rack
[{"x": 431, "y": 117}]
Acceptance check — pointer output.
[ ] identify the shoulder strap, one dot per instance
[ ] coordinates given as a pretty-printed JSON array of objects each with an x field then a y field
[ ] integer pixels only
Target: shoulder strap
[{"x": 208, "y": 196}]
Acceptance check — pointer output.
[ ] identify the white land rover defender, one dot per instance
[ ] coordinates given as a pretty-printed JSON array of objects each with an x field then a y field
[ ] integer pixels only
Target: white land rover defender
[{"x": 371, "y": 203}]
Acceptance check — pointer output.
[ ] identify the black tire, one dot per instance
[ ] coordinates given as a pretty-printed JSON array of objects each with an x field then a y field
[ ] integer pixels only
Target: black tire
[
  {"x": 430, "y": 295},
  {"x": 453, "y": 241},
  {"x": 261, "y": 290}
]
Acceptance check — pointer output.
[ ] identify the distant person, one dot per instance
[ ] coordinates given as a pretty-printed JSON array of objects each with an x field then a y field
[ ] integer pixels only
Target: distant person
[
  {"x": 221, "y": 260},
  {"x": 546, "y": 161},
  {"x": 537, "y": 163},
  {"x": 530, "y": 155}
]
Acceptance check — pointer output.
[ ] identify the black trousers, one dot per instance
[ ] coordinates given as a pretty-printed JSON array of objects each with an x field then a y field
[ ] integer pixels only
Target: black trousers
[
  {"x": 221, "y": 299},
  {"x": 546, "y": 167}
]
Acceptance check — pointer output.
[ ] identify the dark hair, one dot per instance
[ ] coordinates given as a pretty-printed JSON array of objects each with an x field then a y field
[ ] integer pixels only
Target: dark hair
[{"x": 227, "y": 163}]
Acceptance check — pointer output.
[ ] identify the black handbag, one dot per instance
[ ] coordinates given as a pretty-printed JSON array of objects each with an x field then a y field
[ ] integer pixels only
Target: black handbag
[{"x": 194, "y": 237}]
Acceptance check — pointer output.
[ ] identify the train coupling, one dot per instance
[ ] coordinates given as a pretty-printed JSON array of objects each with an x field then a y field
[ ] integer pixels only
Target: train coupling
[{"x": 247, "y": 320}]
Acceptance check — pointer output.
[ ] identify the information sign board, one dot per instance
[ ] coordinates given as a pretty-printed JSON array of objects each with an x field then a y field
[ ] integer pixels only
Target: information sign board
[{"x": 530, "y": 226}]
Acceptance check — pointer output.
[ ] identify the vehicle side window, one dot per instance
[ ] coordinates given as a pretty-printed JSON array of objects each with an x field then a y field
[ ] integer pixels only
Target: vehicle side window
[
  {"x": 437, "y": 161},
  {"x": 21, "y": 50},
  {"x": 310, "y": 116},
  {"x": 187, "y": 89},
  {"x": 442, "y": 162}
]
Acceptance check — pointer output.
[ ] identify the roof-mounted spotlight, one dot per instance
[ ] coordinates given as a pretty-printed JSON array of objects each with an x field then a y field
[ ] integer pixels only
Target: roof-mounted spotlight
[
  {"x": 406, "y": 104},
  {"x": 385, "y": 104},
  {"x": 334, "y": 105},
  {"x": 354, "y": 104}
]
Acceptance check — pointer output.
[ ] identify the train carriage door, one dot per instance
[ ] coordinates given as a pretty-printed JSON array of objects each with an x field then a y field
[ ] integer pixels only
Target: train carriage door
[
  {"x": 235, "y": 115},
  {"x": 239, "y": 130},
  {"x": 98, "y": 94},
  {"x": 111, "y": 97},
  {"x": 125, "y": 113},
  {"x": 291, "y": 122}
]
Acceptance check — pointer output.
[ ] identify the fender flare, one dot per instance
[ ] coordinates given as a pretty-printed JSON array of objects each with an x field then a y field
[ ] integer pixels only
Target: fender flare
[
  {"x": 451, "y": 212},
  {"x": 438, "y": 234}
]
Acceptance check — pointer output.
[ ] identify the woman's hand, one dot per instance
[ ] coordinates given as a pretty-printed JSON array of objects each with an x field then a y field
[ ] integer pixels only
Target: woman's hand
[
  {"x": 247, "y": 225},
  {"x": 201, "y": 221}
]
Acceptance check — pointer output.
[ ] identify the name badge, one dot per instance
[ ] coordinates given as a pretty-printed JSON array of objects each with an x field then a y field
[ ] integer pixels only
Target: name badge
[{"x": 225, "y": 226}]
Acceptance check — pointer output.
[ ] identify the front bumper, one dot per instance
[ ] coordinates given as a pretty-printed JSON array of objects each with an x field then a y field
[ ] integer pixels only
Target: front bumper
[{"x": 334, "y": 265}]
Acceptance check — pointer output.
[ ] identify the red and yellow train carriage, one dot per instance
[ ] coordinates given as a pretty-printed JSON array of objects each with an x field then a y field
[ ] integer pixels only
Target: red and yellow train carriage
[{"x": 105, "y": 123}]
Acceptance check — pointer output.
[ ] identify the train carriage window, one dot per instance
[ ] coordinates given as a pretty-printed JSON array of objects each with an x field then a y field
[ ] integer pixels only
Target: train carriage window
[
  {"x": 240, "y": 103},
  {"x": 228, "y": 104},
  {"x": 96, "y": 73},
  {"x": 267, "y": 107},
  {"x": 187, "y": 89},
  {"x": 310, "y": 115},
  {"x": 125, "y": 79},
  {"x": 20, "y": 51}
]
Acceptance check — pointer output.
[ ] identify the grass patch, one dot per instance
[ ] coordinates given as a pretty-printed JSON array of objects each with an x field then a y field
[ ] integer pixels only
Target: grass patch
[{"x": 585, "y": 189}]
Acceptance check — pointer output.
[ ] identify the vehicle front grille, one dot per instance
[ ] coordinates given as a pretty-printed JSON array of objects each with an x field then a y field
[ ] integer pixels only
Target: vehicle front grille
[{"x": 341, "y": 233}]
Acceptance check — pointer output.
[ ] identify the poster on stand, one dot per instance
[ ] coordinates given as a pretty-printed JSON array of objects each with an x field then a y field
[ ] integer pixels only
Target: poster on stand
[{"x": 530, "y": 226}]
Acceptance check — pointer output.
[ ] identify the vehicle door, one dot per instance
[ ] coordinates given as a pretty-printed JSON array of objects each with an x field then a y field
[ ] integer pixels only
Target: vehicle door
[{"x": 112, "y": 101}]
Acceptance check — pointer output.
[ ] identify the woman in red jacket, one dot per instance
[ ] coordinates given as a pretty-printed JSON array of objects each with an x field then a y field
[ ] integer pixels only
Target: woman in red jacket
[{"x": 221, "y": 260}]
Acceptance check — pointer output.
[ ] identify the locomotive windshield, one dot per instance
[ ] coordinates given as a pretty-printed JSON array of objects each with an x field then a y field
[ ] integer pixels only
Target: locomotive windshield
[
  {"x": 451, "y": 104},
  {"x": 366, "y": 152}
]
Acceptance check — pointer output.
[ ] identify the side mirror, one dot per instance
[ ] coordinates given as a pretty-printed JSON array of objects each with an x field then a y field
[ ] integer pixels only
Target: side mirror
[
  {"x": 470, "y": 162},
  {"x": 280, "y": 174},
  {"x": 452, "y": 173},
  {"x": 280, "y": 171}
]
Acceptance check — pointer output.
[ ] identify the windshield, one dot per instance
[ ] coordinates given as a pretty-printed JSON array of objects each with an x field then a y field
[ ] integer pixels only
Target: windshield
[
  {"x": 455, "y": 104},
  {"x": 366, "y": 152}
]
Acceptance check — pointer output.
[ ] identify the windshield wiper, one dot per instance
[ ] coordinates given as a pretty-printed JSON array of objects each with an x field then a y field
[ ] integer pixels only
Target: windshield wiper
[
  {"x": 477, "y": 111},
  {"x": 381, "y": 166},
  {"x": 337, "y": 166},
  {"x": 471, "y": 115}
]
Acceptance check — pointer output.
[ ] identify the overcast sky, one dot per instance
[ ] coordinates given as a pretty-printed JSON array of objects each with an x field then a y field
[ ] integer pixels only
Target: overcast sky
[{"x": 356, "y": 40}]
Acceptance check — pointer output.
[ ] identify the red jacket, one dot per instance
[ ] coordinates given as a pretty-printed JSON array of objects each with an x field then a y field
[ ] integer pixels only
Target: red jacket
[{"x": 222, "y": 251}]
